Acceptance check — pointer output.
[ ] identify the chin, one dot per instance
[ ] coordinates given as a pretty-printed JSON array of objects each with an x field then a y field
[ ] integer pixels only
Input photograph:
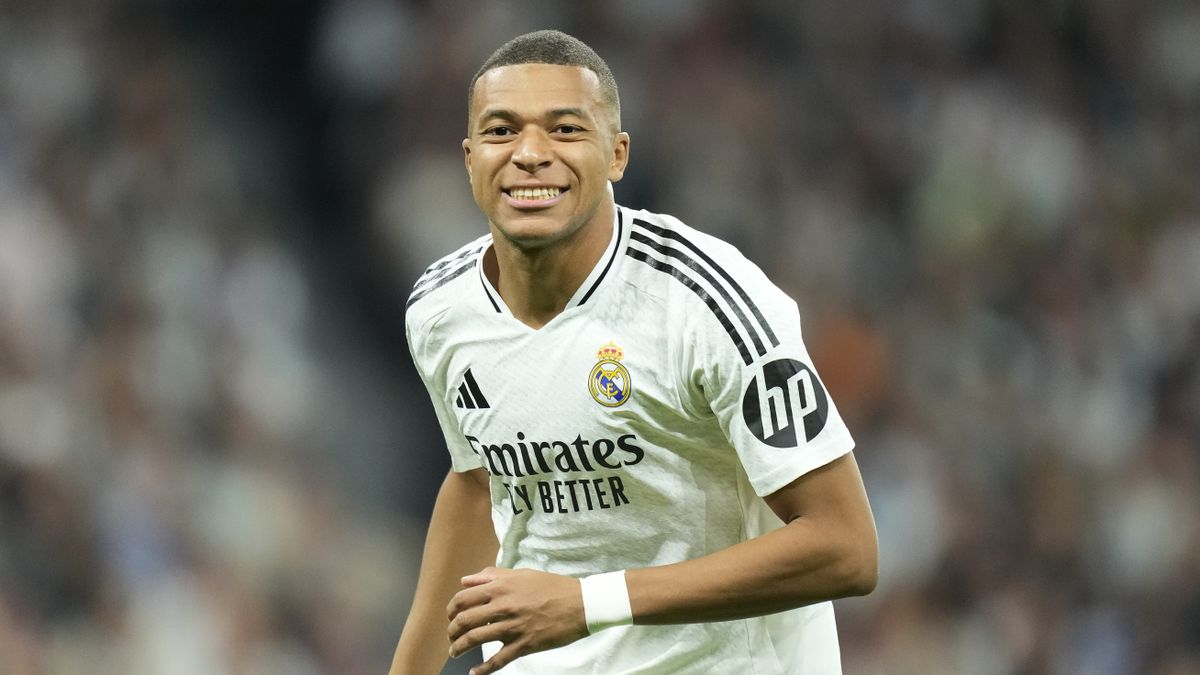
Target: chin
[{"x": 533, "y": 233}]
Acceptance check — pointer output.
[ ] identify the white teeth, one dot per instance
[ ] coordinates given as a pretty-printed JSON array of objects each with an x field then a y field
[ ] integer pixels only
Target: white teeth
[{"x": 537, "y": 193}]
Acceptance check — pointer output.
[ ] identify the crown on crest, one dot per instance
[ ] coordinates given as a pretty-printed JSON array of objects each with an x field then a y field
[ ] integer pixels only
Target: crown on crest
[{"x": 610, "y": 352}]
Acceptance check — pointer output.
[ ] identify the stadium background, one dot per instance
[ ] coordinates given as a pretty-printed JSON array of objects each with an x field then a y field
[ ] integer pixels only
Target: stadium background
[{"x": 215, "y": 456}]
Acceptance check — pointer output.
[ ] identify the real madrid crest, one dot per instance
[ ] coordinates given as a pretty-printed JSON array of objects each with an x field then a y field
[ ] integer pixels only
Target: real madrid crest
[{"x": 609, "y": 381}]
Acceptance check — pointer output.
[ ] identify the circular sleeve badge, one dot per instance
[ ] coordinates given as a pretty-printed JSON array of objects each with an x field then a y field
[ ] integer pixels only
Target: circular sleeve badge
[{"x": 785, "y": 396}]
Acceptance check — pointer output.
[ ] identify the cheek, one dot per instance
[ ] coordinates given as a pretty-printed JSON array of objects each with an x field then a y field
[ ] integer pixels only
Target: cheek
[
  {"x": 479, "y": 176},
  {"x": 594, "y": 169},
  {"x": 478, "y": 192}
]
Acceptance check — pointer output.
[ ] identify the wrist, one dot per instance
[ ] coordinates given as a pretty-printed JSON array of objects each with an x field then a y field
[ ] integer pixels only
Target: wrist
[{"x": 605, "y": 601}]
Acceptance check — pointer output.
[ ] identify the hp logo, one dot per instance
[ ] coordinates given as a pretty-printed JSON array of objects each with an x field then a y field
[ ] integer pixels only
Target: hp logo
[{"x": 783, "y": 397}]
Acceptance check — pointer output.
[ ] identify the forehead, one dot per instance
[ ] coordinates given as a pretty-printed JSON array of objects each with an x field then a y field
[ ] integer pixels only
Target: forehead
[{"x": 536, "y": 87}]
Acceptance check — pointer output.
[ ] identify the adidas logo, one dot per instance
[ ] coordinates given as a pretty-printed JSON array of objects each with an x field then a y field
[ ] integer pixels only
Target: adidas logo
[{"x": 469, "y": 395}]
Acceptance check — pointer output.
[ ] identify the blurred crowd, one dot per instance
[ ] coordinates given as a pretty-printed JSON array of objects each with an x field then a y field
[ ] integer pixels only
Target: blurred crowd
[{"x": 215, "y": 457}]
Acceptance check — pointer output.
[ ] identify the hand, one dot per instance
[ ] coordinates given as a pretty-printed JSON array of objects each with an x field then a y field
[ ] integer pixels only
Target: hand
[{"x": 527, "y": 610}]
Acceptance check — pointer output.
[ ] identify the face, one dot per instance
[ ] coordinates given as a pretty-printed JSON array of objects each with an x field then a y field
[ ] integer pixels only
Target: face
[{"x": 540, "y": 152}]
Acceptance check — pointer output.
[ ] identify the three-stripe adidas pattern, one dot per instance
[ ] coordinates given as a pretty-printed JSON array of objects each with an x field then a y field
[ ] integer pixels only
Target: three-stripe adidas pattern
[
  {"x": 442, "y": 273},
  {"x": 673, "y": 254}
]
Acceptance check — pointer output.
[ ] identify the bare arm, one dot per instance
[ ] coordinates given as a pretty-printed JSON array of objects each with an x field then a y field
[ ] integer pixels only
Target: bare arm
[
  {"x": 460, "y": 541},
  {"x": 826, "y": 550}
]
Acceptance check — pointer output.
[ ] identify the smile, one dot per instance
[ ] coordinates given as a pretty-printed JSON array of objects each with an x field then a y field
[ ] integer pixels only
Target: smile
[
  {"x": 528, "y": 194},
  {"x": 533, "y": 197}
]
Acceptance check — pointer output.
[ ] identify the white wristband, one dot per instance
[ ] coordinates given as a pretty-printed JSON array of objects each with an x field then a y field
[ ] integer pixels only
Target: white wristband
[{"x": 606, "y": 601}]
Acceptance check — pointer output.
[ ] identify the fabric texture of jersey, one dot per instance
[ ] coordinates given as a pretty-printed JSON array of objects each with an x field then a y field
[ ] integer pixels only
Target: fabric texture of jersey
[{"x": 642, "y": 426}]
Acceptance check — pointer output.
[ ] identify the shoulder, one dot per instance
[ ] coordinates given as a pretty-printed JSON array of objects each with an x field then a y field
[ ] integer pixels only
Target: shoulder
[
  {"x": 442, "y": 284},
  {"x": 664, "y": 243},
  {"x": 711, "y": 281}
]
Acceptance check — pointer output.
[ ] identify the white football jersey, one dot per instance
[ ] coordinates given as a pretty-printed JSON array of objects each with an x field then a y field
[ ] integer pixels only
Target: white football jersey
[{"x": 639, "y": 427}]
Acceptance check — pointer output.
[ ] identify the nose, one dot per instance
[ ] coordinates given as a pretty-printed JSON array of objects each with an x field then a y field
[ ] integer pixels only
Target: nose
[{"x": 532, "y": 151}]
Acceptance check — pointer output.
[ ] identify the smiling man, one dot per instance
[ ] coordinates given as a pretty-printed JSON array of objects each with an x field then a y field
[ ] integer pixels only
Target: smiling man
[{"x": 647, "y": 475}]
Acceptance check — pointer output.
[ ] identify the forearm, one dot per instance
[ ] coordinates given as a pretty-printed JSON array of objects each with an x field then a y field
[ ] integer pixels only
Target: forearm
[
  {"x": 827, "y": 550},
  {"x": 781, "y": 570},
  {"x": 460, "y": 541}
]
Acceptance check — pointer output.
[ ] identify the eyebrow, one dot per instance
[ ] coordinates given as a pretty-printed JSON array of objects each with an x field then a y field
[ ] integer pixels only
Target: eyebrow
[{"x": 510, "y": 116}]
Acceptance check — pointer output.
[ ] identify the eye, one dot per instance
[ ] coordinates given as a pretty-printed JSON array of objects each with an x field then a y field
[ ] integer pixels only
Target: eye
[
  {"x": 568, "y": 129},
  {"x": 498, "y": 132}
]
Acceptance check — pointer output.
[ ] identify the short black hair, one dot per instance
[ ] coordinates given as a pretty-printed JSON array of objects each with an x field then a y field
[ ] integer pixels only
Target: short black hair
[{"x": 555, "y": 48}]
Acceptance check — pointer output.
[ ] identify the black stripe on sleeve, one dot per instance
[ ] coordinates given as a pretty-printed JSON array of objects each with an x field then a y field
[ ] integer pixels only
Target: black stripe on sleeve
[
  {"x": 431, "y": 274},
  {"x": 437, "y": 272},
  {"x": 611, "y": 258},
  {"x": 700, "y": 269},
  {"x": 480, "y": 401},
  {"x": 442, "y": 281},
  {"x": 671, "y": 234},
  {"x": 665, "y": 267}
]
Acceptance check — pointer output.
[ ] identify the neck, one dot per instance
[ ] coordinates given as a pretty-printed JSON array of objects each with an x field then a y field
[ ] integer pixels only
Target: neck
[{"x": 537, "y": 283}]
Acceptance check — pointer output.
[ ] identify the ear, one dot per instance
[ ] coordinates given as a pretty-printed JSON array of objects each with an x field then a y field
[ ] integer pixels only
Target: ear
[
  {"x": 616, "y": 170},
  {"x": 466, "y": 146}
]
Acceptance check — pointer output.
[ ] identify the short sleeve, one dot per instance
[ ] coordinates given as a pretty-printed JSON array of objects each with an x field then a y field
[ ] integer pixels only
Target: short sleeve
[
  {"x": 749, "y": 361},
  {"x": 462, "y": 456}
]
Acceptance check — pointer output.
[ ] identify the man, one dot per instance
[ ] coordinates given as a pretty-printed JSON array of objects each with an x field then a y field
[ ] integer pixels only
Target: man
[{"x": 647, "y": 474}]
